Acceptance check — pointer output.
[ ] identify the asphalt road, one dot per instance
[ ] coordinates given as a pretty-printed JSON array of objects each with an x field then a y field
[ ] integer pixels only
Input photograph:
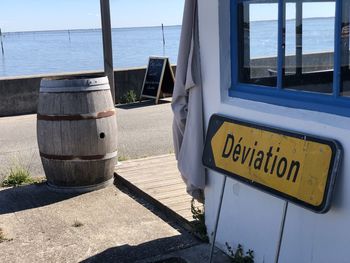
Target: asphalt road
[{"x": 144, "y": 129}]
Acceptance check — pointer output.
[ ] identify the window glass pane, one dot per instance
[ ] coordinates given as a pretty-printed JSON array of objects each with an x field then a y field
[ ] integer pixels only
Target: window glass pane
[
  {"x": 257, "y": 42},
  {"x": 290, "y": 61},
  {"x": 345, "y": 66},
  {"x": 314, "y": 46}
]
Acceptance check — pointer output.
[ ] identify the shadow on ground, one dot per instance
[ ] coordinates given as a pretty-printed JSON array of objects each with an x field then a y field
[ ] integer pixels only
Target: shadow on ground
[
  {"x": 128, "y": 254},
  {"x": 159, "y": 211},
  {"x": 28, "y": 197},
  {"x": 144, "y": 103}
]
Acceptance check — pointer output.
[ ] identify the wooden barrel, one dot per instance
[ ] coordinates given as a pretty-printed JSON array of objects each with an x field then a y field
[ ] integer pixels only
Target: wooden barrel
[{"x": 77, "y": 133}]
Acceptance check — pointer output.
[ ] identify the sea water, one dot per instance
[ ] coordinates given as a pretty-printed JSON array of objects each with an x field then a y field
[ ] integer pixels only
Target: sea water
[
  {"x": 317, "y": 37},
  {"x": 46, "y": 52}
]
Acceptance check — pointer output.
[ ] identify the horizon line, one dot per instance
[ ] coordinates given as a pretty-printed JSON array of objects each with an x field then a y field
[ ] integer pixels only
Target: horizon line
[
  {"x": 305, "y": 18},
  {"x": 82, "y": 29}
]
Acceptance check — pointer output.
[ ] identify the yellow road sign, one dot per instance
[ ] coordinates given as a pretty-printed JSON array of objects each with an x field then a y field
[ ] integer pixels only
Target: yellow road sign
[{"x": 296, "y": 167}]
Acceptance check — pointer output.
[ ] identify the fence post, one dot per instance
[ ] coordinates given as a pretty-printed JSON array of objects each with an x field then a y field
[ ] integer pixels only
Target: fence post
[{"x": 107, "y": 45}]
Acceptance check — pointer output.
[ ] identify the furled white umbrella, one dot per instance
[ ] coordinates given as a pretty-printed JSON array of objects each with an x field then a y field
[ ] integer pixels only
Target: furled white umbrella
[{"x": 187, "y": 105}]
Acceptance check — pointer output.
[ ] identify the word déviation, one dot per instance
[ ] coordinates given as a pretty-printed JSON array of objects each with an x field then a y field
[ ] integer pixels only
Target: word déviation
[{"x": 270, "y": 162}]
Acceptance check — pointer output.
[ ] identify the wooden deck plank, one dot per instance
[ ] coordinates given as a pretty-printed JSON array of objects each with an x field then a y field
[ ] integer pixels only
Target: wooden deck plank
[
  {"x": 150, "y": 161},
  {"x": 137, "y": 178},
  {"x": 175, "y": 199},
  {"x": 152, "y": 172},
  {"x": 150, "y": 158},
  {"x": 160, "y": 183},
  {"x": 171, "y": 194},
  {"x": 162, "y": 188},
  {"x": 173, "y": 191},
  {"x": 152, "y": 179},
  {"x": 179, "y": 207},
  {"x": 159, "y": 178}
]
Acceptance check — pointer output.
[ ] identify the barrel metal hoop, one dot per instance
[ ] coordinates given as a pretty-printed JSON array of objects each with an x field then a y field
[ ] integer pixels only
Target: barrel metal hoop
[
  {"x": 77, "y": 117},
  {"x": 79, "y": 158},
  {"x": 78, "y": 189},
  {"x": 44, "y": 89}
]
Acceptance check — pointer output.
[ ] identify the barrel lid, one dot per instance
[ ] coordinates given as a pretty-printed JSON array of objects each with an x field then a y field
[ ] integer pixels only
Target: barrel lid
[{"x": 74, "y": 84}]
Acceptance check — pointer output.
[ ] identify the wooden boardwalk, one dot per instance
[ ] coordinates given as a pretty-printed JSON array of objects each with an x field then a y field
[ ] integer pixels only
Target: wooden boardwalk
[{"x": 158, "y": 178}]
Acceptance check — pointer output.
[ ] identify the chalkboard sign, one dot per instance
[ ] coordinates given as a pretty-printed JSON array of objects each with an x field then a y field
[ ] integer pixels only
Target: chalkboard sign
[{"x": 159, "y": 79}]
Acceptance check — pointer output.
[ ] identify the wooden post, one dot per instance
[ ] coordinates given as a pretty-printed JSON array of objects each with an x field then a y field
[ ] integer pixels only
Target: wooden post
[
  {"x": 107, "y": 44},
  {"x": 163, "y": 35},
  {"x": 2, "y": 44},
  {"x": 163, "y": 40}
]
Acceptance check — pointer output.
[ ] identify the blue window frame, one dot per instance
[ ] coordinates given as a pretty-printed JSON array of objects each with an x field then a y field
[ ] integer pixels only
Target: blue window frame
[{"x": 280, "y": 58}]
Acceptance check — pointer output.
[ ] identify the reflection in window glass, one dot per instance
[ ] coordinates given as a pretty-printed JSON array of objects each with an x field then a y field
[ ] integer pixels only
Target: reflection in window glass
[
  {"x": 290, "y": 61},
  {"x": 345, "y": 88},
  {"x": 257, "y": 42},
  {"x": 314, "y": 46}
]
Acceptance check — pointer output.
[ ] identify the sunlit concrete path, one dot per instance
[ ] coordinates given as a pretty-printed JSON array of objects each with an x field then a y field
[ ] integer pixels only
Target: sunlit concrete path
[
  {"x": 108, "y": 225},
  {"x": 102, "y": 226}
]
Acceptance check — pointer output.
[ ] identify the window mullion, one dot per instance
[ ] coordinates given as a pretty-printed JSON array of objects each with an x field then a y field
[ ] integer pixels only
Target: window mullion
[
  {"x": 299, "y": 37},
  {"x": 337, "y": 49},
  {"x": 281, "y": 43},
  {"x": 235, "y": 47}
]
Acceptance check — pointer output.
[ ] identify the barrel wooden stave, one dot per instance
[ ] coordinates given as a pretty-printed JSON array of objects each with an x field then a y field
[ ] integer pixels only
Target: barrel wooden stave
[
  {"x": 78, "y": 173},
  {"x": 77, "y": 145},
  {"x": 84, "y": 102},
  {"x": 77, "y": 138}
]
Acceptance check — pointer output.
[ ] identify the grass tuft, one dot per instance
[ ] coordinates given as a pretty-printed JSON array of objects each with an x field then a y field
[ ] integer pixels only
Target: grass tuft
[
  {"x": 129, "y": 97},
  {"x": 199, "y": 227},
  {"x": 122, "y": 158},
  {"x": 18, "y": 176},
  {"x": 3, "y": 238},
  {"x": 239, "y": 256}
]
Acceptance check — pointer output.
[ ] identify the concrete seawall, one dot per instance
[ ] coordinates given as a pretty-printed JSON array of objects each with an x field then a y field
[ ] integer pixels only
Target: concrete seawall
[{"x": 19, "y": 95}]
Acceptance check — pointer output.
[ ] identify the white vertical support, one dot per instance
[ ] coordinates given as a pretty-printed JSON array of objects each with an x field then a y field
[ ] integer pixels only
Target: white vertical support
[
  {"x": 107, "y": 44},
  {"x": 217, "y": 220},
  {"x": 280, "y": 238}
]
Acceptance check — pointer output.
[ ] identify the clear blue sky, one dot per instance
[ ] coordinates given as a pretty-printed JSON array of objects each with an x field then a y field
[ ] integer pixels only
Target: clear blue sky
[
  {"x": 25, "y": 15},
  {"x": 269, "y": 11}
]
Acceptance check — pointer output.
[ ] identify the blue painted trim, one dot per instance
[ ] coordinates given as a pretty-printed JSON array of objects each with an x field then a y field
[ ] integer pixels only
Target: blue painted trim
[
  {"x": 337, "y": 49},
  {"x": 280, "y": 48},
  {"x": 293, "y": 99},
  {"x": 234, "y": 43},
  {"x": 333, "y": 104}
]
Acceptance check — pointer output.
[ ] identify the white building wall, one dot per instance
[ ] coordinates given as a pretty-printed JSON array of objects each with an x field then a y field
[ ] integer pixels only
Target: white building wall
[{"x": 250, "y": 217}]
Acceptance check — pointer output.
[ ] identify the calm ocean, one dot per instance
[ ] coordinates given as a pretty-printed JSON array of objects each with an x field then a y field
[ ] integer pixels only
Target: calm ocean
[
  {"x": 28, "y": 53},
  {"x": 318, "y": 36},
  {"x": 31, "y": 53}
]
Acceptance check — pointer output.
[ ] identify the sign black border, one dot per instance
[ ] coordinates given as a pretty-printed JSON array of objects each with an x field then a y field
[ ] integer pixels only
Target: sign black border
[
  {"x": 166, "y": 70},
  {"x": 216, "y": 122},
  {"x": 160, "y": 80}
]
